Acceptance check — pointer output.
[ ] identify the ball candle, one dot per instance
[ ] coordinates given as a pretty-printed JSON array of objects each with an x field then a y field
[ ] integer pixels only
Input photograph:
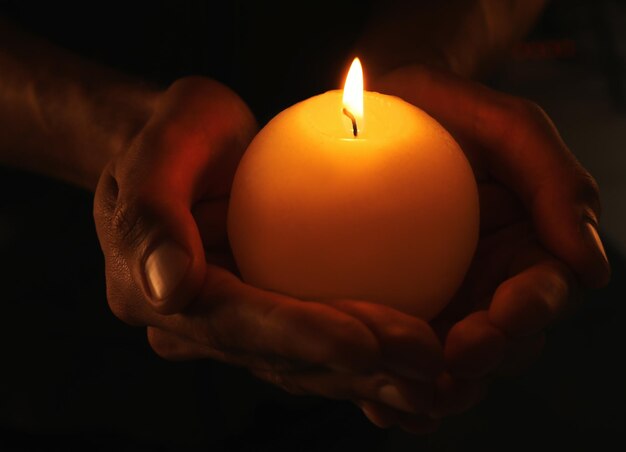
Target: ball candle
[{"x": 355, "y": 195}]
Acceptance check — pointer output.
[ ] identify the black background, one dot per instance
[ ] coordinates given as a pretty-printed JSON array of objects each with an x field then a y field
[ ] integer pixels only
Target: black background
[{"x": 73, "y": 377}]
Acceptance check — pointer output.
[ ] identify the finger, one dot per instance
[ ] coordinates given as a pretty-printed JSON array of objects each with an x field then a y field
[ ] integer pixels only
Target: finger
[
  {"x": 243, "y": 325},
  {"x": 173, "y": 347},
  {"x": 408, "y": 397},
  {"x": 157, "y": 181},
  {"x": 409, "y": 346},
  {"x": 474, "y": 346},
  {"x": 380, "y": 415},
  {"x": 234, "y": 318},
  {"x": 155, "y": 239},
  {"x": 533, "y": 299},
  {"x": 384, "y": 416},
  {"x": 490, "y": 266},
  {"x": 397, "y": 394},
  {"x": 523, "y": 150}
]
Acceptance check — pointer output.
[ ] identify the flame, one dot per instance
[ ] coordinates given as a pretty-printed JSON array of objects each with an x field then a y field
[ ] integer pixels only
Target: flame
[{"x": 353, "y": 90}]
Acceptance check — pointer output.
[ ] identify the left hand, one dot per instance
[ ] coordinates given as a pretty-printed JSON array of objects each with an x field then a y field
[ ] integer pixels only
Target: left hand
[
  {"x": 538, "y": 236},
  {"x": 160, "y": 213}
]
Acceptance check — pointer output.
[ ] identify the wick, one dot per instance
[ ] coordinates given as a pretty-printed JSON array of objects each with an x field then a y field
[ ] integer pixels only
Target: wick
[{"x": 355, "y": 130}]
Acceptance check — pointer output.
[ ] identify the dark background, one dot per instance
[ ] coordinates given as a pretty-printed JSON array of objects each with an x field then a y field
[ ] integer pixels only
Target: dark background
[{"x": 72, "y": 377}]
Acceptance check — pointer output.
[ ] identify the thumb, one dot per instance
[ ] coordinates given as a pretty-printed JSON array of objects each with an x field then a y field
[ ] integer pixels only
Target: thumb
[
  {"x": 186, "y": 153},
  {"x": 150, "y": 241}
]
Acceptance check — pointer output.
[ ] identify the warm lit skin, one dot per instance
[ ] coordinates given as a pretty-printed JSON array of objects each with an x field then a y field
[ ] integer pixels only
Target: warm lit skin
[
  {"x": 165, "y": 161},
  {"x": 537, "y": 207}
]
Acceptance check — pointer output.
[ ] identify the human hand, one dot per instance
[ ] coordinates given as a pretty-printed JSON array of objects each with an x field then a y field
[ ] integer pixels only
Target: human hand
[
  {"x": 539, "y": 214},
  {"x": 160, "y": 212}
]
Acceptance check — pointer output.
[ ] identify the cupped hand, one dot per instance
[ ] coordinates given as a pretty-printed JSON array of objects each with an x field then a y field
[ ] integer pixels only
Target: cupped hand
[
  {"x": 539, "y": 240},
  {"x": 160, "y": 212}
]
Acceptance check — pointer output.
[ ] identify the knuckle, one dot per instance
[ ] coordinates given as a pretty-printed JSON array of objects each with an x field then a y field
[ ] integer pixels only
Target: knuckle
[
  {"x": 560, "y": 289},
  {"x": 127, "y": 226},
  {"x": 193, "y": 85},
  {"x": 105, "y": 197},
  {"x": 523, "y": 115},
  {"x": 99, "y": 210},
  {"x": 168, "y": 136},
  {"x": 399, "y": 331},
  {"x": 350, "y": 333},
  {"x": 520, "y": 110},
  {"x": 504, "y": 115},
  {"x": 233, "y": 118},
  {"x": 546, "y": 288},
  {"x": 507, "y": 289},
  {"x": 555, "y": 293},
  {"x": 529, "y": 110}
]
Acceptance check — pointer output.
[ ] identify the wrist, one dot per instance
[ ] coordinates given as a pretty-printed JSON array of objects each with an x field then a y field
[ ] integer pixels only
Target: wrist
[
  {"x": 62, "y": 115},
  {"x": 84, "y": 125},
  {"x": 114, "y": 110},
  {"x": 122, "y": 110}
]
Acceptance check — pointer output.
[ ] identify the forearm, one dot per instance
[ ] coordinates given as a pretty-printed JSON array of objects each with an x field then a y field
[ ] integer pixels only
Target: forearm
[
  {"x": 464, "y": 36},
  {"x": 61, "y": 115}
]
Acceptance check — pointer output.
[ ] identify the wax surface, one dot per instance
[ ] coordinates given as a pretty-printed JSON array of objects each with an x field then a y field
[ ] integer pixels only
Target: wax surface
[{"x": 390, "y": 216}]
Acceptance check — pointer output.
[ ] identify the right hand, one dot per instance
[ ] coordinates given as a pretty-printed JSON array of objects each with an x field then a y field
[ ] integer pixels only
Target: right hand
[
  {"x": 160, "y": 212},
  {"x": 539, "y": 211}
]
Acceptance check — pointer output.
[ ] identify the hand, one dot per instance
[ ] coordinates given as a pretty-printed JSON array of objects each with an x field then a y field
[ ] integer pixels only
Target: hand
[
  {"x": 538, "y": 240},
  {"x": 160, "y": 212}
]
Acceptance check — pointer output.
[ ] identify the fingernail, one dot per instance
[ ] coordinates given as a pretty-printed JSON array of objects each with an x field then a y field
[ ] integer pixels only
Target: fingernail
[
  {"x": 598, "y": 242},
  {"x": 594, "y": 239},
  {"x": 372, "y": 417},
  {"x": 390, "y": 395},
  {"x": 165, "y": 267}
]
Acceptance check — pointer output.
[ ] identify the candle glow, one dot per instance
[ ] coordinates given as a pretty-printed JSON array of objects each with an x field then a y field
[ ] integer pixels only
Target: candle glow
[
  {"x": 388, "y": 215},
  {"x": 353, "y": 94}
]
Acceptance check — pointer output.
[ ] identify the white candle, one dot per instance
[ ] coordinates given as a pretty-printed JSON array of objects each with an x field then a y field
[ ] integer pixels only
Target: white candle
[{"x": 389, "y": 215}]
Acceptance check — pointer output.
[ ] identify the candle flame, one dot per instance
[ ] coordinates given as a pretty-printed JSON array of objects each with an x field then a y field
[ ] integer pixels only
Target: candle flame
[{"x": 353, "y": 90}]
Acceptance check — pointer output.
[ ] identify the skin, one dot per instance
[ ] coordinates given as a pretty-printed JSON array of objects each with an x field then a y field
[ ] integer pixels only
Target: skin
[
  {"x": 162, "y": 162},
  {"x": 533, "y": 222}
]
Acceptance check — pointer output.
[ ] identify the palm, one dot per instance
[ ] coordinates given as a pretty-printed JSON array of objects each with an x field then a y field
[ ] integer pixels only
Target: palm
[
  {"x": 507, "y": 248},
  {"x": 506, "y": 241}
]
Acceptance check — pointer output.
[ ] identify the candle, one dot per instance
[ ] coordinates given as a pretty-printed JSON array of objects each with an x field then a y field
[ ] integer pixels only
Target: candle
[{"x": 355, "y": 195}]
